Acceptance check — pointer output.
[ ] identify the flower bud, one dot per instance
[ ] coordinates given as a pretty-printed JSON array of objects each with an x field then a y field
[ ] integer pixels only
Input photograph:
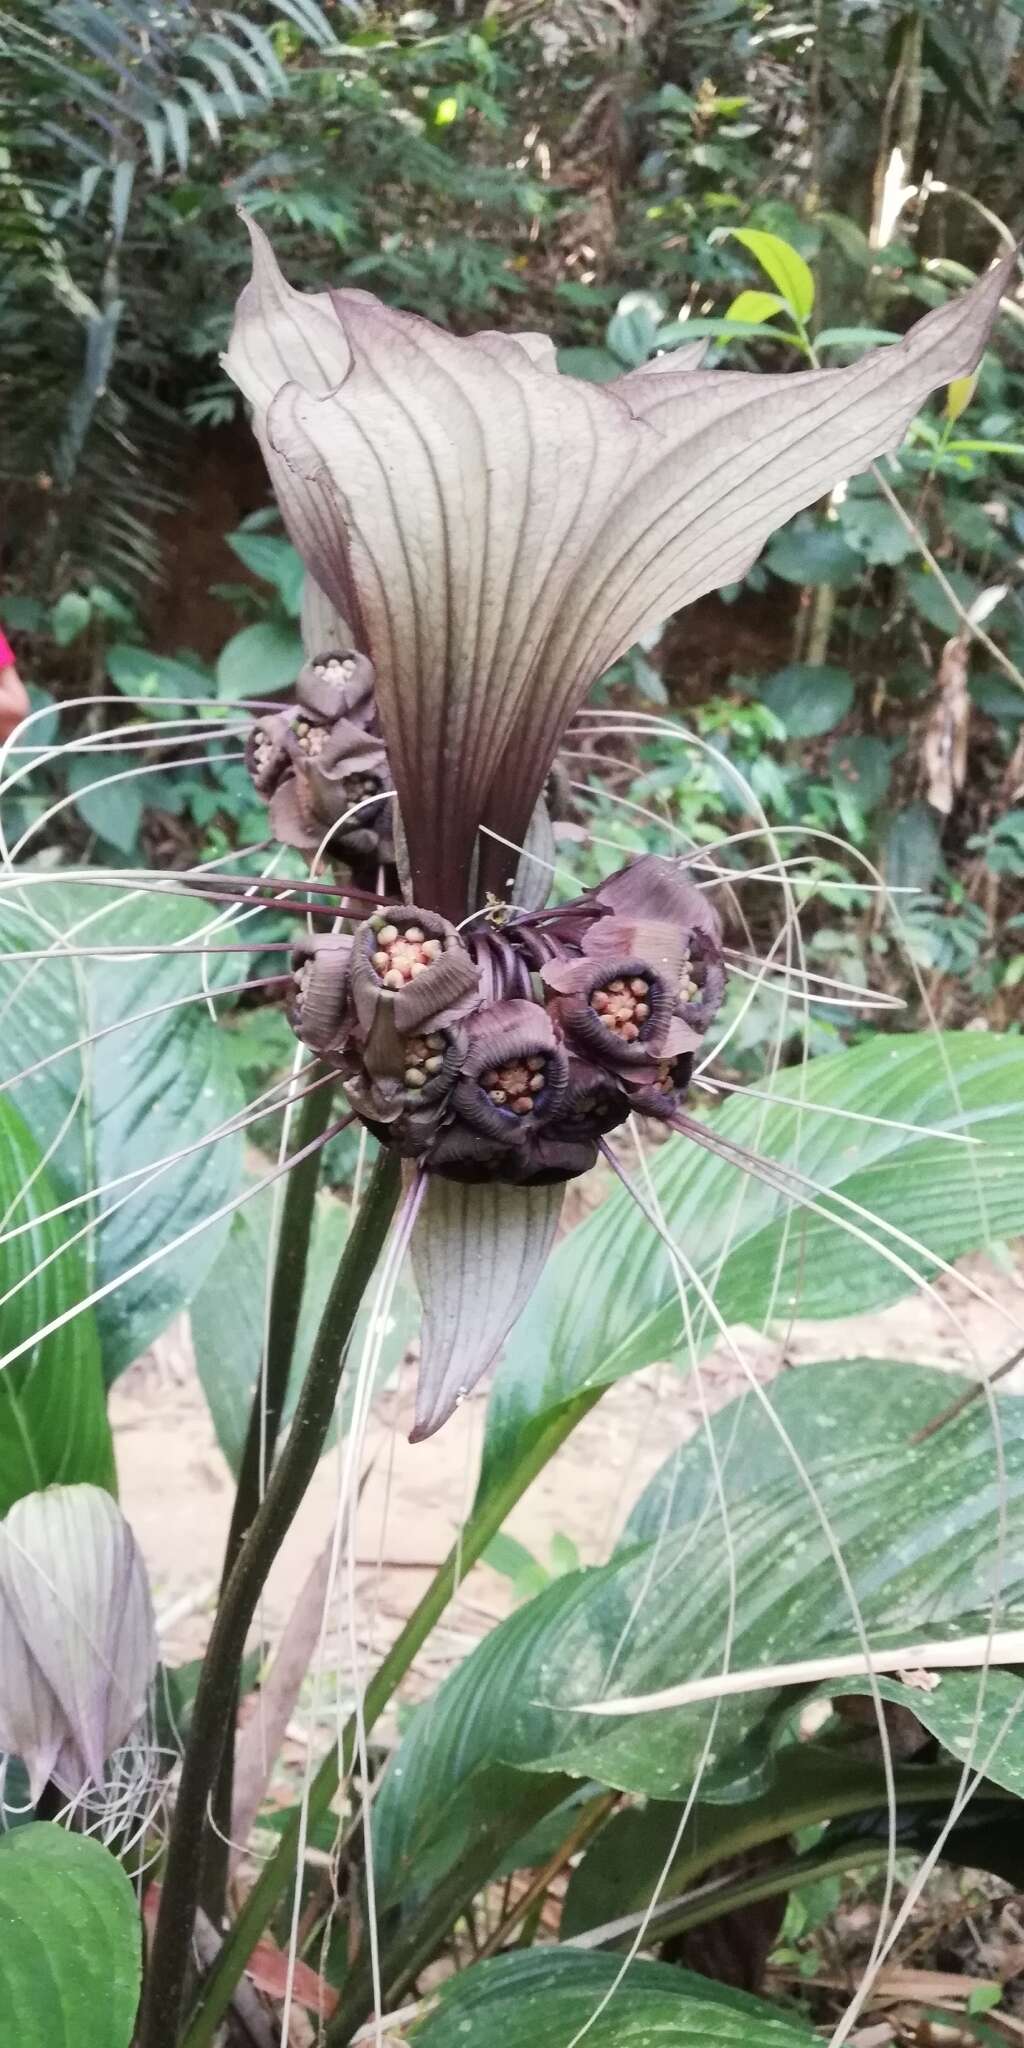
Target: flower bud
[
  {"x": 78, "y": 1649},
  {"x": 338, "y": 684},
  {"x": 319, "y": 1008},
  {"x": 267, "y": 755}
]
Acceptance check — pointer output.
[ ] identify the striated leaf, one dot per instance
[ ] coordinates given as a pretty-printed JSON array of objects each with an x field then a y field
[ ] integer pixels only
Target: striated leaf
[
  {"x": 809, "y": 1783},
  {"x": 71, "y": 1956},
  {"x": 542, "y": 1998},
  {"x": 138, "y": 1094},
  {"x": 917, "y": 1528},
  {"x": 53, "y": 1419},
  {"x": 607, "y": 1303},
  {"x": 260, "y": 661},
  {"x": 476, "y": 1254}
]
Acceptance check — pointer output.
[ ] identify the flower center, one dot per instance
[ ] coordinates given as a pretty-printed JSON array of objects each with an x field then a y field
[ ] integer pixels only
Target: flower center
[
  {"x": 310, "y": 737},
  {"x": 334, "y": 669},
  {"x": 516, "y": 1085},
  {"x": 426, "y": 1058},
  {"x": 624, "y": 1006},
  {"x": 399, "y": 956}
]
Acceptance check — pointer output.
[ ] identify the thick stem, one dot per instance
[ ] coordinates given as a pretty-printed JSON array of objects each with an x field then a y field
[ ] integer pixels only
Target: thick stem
[
  {"x": 269, "y": 1395},
  {"x": 484, "y": 1522},
  {"x": 172, "y": 1944}
]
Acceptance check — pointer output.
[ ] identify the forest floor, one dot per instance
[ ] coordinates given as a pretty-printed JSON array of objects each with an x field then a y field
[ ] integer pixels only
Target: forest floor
[{"x": 177, "y": 1492}]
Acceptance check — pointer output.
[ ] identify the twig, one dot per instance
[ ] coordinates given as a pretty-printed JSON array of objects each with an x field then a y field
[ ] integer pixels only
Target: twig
[
  {"x": 976, "y": 632},
  {"x": 594, "y": 1814},
  {"x": 965, "y": 1399}
]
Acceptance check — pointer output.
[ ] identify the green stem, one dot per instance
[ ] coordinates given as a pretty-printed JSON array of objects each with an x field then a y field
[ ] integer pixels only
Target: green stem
[
  {"x": 172, "y": 1944},
  {"x": 269, "y": 1395},
  {"x": 484, "y": 1522}
]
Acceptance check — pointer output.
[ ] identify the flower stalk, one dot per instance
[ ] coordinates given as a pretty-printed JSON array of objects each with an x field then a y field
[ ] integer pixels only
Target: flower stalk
[
  {"x": 489, "y": 1513},
  {"x": 269, "y": 1394},
  {"x": 170, "y": 1958}
]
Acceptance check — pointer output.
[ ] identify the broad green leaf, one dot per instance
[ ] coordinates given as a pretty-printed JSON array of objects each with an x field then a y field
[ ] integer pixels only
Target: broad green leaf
[
  {"x": 808, "y": 700},
  {"x": 274, "y": 561},
  {"x": 928, "y": 597},
  {"x": 71, "y": 1954},
  {"x": 632, "y": 331},
  {"x": 788, "y": 272},
  {"x": 70, "y": 616},
  {"x": 259, "y": 660},
  {"x": 862, "y": 764},
  {"x": 913, "y": 848},
  {"x": 875, "y": 531},
  {"x": 53, "y": 1418},
  {"x": 541, "y": 1998},
  {"x": 879, "y": 1401},
  {"x": 594, "y": 365},
  {"x": 227, "y": 1319},
  {"x": 917, "y": 1528},
  {"x": 139, "y": 1093},
  {"x": 111, "y": 808},
  {"x": 141, "y": 674},
  {"x": 978, "y": 1716},
  {"x": 755, "y": 306},
  {"x": 812, "y": 551},
  {"x": 607, "y": 1303}
]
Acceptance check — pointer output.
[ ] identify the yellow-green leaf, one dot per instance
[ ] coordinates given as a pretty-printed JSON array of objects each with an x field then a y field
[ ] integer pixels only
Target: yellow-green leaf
[
  {"x": 754, "y": 306},
  {"x": 787, "y": 270},
  {"x": 959, "y": 395}
]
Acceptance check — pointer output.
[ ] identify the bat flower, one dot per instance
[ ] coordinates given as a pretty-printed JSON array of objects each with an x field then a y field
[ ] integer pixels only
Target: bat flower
[{"x": 495, "y": 535}]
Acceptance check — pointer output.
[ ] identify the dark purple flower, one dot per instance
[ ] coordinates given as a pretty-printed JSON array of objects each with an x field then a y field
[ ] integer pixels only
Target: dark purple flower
[{"x": 495, "y": 535}]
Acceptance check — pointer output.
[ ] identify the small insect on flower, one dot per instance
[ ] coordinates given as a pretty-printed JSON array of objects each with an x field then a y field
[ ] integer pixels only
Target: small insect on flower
[
  {"x": 78, "y": 1651},
  {"x": 486, "y": 537}
]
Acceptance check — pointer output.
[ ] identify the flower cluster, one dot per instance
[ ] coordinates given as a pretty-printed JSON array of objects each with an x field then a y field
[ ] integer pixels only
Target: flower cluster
[
  {"x": 505, "y": 1052},
  {"x": 322, "y": 766},
  {"x": 495, "y": 535}
]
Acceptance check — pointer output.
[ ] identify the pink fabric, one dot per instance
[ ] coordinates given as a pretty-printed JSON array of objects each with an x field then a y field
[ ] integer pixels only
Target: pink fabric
[{"x": 6, "y": 651}]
